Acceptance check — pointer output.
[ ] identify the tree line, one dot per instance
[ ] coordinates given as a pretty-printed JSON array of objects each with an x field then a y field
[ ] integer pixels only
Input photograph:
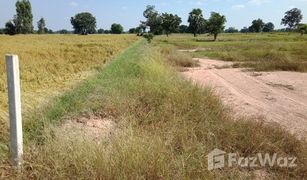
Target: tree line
[{"x": 155, "y": 23}]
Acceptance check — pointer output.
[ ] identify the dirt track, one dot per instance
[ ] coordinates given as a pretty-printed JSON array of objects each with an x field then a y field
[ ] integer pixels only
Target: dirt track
[{"x": 279, "y": 97}]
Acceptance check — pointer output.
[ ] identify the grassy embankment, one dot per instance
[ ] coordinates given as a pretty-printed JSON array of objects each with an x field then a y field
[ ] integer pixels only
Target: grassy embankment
[
  {"x": 51, "y": 64},
  {"x": 262, "y": 52},
  {"x": 165, "y": 128}
]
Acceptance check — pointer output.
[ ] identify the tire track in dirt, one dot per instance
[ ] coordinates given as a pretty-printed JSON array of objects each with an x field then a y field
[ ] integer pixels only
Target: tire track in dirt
[{"x": 279, "y": 97}]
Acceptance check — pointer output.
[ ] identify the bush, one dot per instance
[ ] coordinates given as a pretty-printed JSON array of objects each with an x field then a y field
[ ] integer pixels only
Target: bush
[{"x": 149, "y": 37}]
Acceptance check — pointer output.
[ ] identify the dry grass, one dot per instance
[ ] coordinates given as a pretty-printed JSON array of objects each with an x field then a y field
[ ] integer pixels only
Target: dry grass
[
  {"x": 262, "y": 52},
  {"x": 177, "y": 58},
  {"x": 51, "y": 64},
  {"x": 166, "y": 127}
]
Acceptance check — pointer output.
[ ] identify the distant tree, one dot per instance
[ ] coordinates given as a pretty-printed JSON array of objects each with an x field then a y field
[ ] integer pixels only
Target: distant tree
[
  {"x": 170, "y": 23},
  {"x": 216, "y": 24},
  {"x": 268, "y": 27},
  {"x": 244, "y": 30},
  {"x": 63, "y": 31},
  {"x": 41, "y": 25},
  {"x": 257, "y": 26},
  {"x": 132, "y": 31},
  {"x": 183, "y": 29},
  {"x": 153, "y": 20},
  {"x": 292, "y": 18},
  {"x": 84, "y": 23},
  {"x": 107, "y": 31},
  {"x": 24, "y": 18},
  {"x": 100, "y": 31},
  {"x": 302, "y": 28},
  {"x": 10, "y": 28},
  {"x": 117, "y": 29},
  {"x": 140, "y": 30},
  {"x": 196, "y": 21},
  {"x": 231, "y": 30},
  {"x": 49, "y": 31},
  {"x": 1, "y": 31}
]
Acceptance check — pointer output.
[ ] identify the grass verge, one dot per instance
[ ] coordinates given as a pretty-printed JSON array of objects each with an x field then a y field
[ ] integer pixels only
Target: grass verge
[{"x": 165, "y": 128}]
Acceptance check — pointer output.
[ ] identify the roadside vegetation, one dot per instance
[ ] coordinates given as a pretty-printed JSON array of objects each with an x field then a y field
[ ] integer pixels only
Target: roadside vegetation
[
  {"x": 165, "y": 127},
  {"x": 262, "y": 52},
  {"x": 52, "y": 64}
]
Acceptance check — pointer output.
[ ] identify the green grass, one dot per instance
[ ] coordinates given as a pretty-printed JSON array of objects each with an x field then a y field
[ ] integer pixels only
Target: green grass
[
  {"x": 262, "y": 52},
  {"x": 165, "y": 128}
]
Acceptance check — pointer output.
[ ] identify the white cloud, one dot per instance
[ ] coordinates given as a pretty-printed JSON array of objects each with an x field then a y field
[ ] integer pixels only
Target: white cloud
[
  {"x": 238, "y": 6},
  {"x": 258, "y": 2},
  {"x": 73, "y": 4}
]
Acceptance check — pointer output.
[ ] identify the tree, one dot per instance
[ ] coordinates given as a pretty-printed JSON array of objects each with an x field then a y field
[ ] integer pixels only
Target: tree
[
  {"x": 292, "y": 18},
  {"x": 170, "y": 23},
  {"x": 24, "y": 18},
  {"x": 216, "y": 24},
  {"x": 117, "y": 29},
  {"x": 63, "y": 31},
  {"x": 1, "y": 31},
  {"x": 231, "y": 30},
  {"x": 244, "y": 30},
  {"x": 100, "y": 31},
  {"x": 132, "y": 30},
  {"x": 10, "y": 28},
  {"x": 196, "y": 21},
  {"x": 183, "y": 29},
  {"x": 41, "y": 25},
  {"x": 84, "y": 23},
  {"x": 268, "y": 27},
  {"x": 302, "y": 28},
  {"x": 153, "y": 20},
  {"x": 140, "y": 30},
  {"x": 257, "y": 26}
]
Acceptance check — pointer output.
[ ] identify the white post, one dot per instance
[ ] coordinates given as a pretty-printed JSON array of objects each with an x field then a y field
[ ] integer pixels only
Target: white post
[{"x": 13, "y": 81}]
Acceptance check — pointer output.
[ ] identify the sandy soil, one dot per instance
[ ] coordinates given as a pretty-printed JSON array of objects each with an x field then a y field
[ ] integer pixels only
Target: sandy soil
[
  {"x": 88, "y": 127},
  {"x": 279, "y": 97}
]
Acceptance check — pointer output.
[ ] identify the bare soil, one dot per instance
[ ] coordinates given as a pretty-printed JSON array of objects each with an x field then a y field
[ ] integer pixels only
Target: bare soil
[
  {"x": 90, "y": 127},
  {"x": 279, "y": 97}
]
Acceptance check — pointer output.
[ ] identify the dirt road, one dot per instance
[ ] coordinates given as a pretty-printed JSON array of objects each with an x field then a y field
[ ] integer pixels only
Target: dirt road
[{"x": 279, "y": 97}]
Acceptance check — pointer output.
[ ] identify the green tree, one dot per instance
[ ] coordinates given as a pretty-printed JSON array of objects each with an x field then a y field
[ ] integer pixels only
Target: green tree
[
  {"x": 196, "y": 21},
  {"x": 244, "y": 30},
  {"x": 10, "y": 28},
  {"x": 24, "y": 18},
  {"x": 231, "y": 30},
  {"x": 41, "y": 25},
  {"x": 268, "y": 27},
  {"x": 257, "y": 26},
  {"x": 216, "y": 24},
  {"x": 117, "y": 29},
  {"x": 132, "y": 30},
  {"x": 183, "y": 29},
  {"x": 153, "y": 20},
  {"x": 100, "y": 31},
  {"x": 170, "y": 23},
  {"x": 63, "y": 31},
  {"x": 84, "y": 23},
  {"x": 302, "y": 28},
  {"x": 1, "y": 31},
  {"x": 292, "y": 18}
]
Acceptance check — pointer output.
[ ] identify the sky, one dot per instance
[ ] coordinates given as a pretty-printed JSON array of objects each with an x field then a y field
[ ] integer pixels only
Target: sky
[{"x": 239, "y": 13}]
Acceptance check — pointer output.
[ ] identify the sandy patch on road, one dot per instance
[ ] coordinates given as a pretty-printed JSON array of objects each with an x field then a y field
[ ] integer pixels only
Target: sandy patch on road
[{"x": 279, "y": 97}]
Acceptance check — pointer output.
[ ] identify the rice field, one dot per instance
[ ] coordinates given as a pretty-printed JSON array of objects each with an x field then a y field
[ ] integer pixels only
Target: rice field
[
  {"x": 260, "y": 51},
  {"x": 51, "y": 64}
]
